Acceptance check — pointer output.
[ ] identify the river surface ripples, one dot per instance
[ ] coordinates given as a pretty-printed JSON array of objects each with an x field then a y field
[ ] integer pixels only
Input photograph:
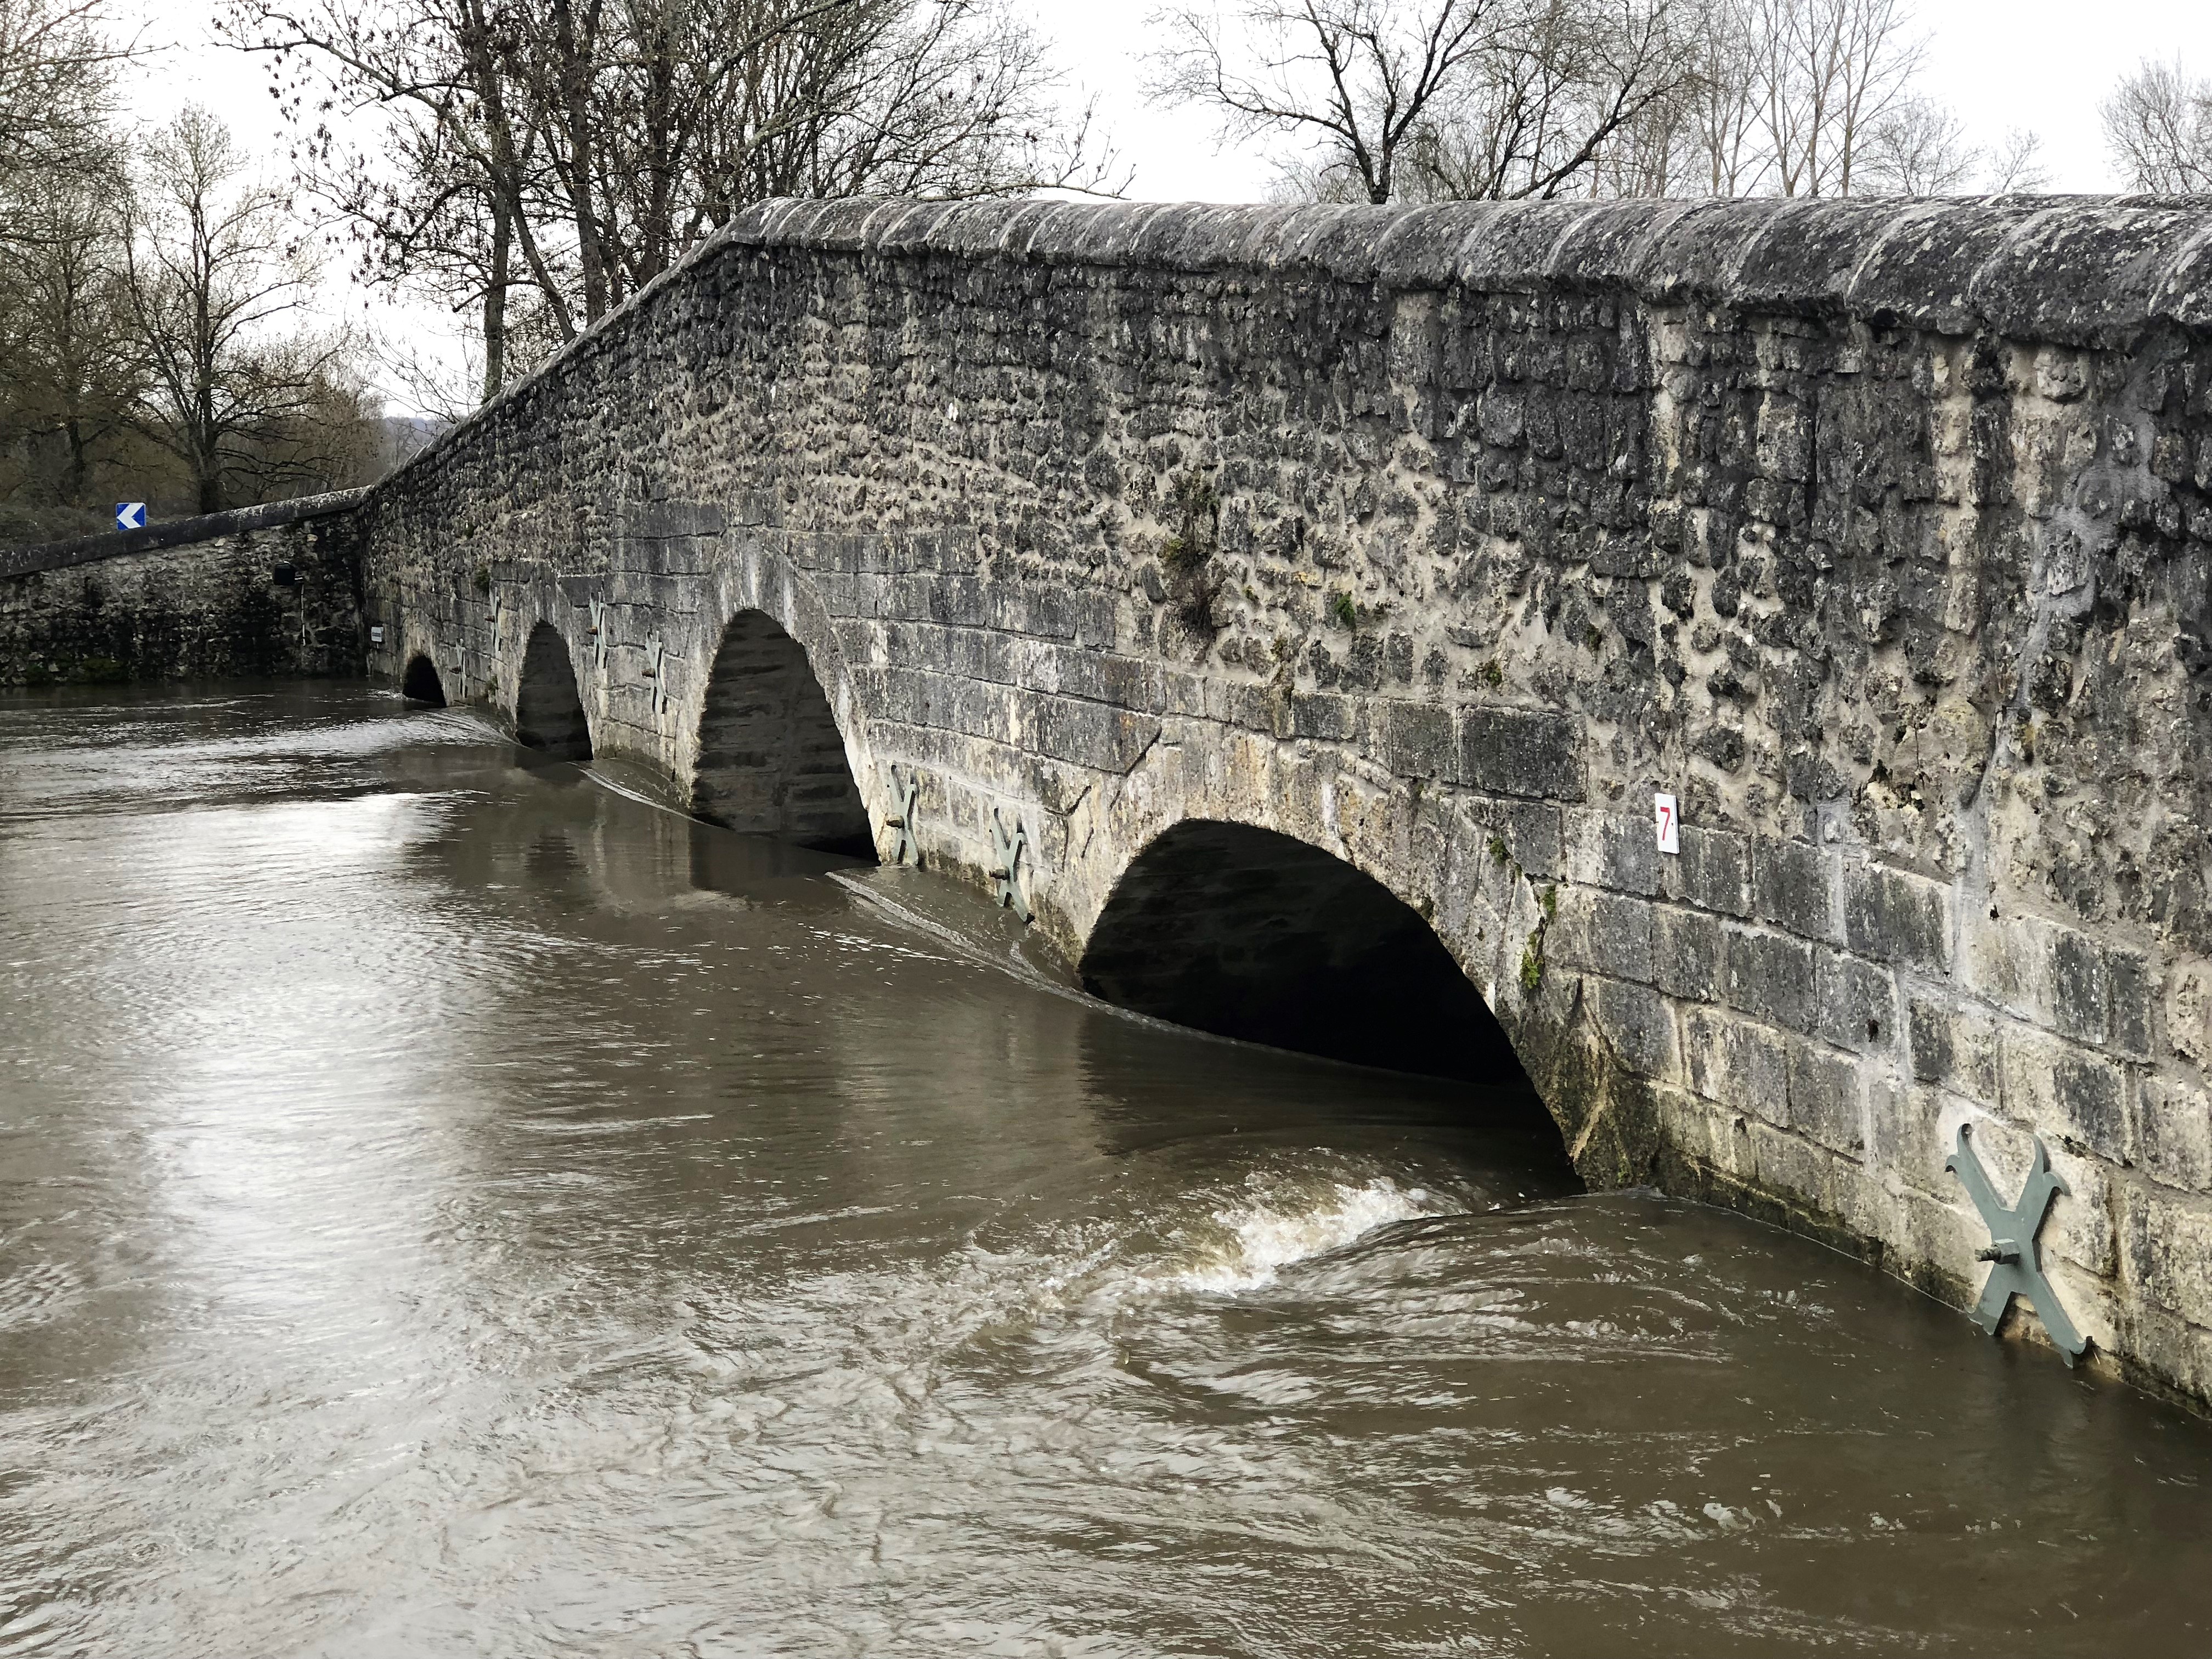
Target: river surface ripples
[{"x": 452, "y": 1206}]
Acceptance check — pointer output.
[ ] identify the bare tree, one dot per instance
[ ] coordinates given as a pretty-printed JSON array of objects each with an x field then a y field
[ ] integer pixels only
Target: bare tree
[
  {"x": 1655, "y": 156},
  {"x": 1803, "y": 97},
  {"x": 1430, "y": 100},
  {"x": 552, "y": 158},
  {"x": 70, "y": 372},
  {"x": 1920, "y": 148},
  {"x": 56, "y": 91},
  {"x": 1828, "y": 72},
  {"x": 1415, "y": 100},
  {"x": 67, "y": 357},
  {"x": 139, "y": 345},
  {"x": 235, "y": 391},
  {"x": 1351, "y": 78},
  {"x": 2158, "y": 126},
  {"x": 1584, "y": 97},
  {"x": 442, "y": 192},
  {"x": 2016, "y": 165},
  {"x": 938, "y": 100},
  {"x": 1723, "y": 98},
  {"x": 444, "y": 392},
  {"x": 1917, "y": 148}
]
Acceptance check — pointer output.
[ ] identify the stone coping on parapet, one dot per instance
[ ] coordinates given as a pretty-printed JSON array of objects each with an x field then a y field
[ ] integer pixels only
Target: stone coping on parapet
[
  {"x": 178, "y": 533},
  {"x": 2068, "y": 270}
]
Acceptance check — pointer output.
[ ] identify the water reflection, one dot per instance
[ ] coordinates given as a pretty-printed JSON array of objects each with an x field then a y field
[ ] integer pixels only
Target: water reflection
[{"x": 448, "y": 1205}]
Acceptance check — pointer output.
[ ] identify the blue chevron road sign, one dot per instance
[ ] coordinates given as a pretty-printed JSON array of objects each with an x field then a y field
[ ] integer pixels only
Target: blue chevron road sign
[{"x": 130, "y": 515}]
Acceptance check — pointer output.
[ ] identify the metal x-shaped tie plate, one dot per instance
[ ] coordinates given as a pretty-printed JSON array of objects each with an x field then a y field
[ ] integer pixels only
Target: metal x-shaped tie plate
[
  {"x": 599, "y": 635},
  {"x": 905, "y": 794},
  {"x": 2015, "y": 1265},
  {"x": 657, "y": 649},
  {"x": 1007, "y": 850}
]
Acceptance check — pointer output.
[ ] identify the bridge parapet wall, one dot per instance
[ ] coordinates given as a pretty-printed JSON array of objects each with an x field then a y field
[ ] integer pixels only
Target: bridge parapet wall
[
  {"x": 1441, "y": 539},
  {"x": 274, "y": 589}
]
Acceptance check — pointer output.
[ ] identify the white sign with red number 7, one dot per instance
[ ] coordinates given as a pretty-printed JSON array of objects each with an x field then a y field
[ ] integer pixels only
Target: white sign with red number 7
[{"x": 1668, "y": 823}]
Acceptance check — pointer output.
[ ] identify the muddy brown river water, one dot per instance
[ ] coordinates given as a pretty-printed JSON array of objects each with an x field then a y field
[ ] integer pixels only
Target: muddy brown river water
[{"x": 452, "y": 1205}]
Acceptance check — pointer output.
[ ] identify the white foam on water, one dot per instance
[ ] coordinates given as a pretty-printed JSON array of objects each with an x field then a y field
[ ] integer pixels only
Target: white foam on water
[
  {"x": 1264, "y": 1237},
  {"x": 1219, "y": 1242}
]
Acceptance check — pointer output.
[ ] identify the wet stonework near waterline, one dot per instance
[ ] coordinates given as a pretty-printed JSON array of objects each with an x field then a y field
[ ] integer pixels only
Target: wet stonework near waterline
[{"x": 453, "y": 1203}]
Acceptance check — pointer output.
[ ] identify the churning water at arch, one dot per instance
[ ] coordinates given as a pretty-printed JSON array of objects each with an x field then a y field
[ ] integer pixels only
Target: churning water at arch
[{"x": 448, "y": 1206}]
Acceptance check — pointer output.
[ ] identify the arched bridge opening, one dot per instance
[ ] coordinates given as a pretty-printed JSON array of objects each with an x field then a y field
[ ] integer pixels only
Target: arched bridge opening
[
  {"x": 1248, "y": 934},
  {"x": 421, "y": 684},
  {"x": 549, "y": 709},
  {"x": 771, "y": 759}
]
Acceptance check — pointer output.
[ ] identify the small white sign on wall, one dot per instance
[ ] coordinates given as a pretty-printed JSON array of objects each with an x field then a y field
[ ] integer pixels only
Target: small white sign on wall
[
  {"x": 376, "y": 636},
  {"x": 1667, "y": 820}
]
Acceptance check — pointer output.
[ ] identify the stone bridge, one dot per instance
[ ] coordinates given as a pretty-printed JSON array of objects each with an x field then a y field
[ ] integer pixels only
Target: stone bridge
[{"x": 1307, "y": 606}]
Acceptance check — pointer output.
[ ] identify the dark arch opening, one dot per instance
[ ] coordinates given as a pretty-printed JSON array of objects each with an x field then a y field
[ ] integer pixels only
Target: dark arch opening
[
  {"x": 1248, "y": 934},
  {"x": 548, "y": 710},
  {"x": 771, "y": 759},
  {"x": 421, "y": 683}
]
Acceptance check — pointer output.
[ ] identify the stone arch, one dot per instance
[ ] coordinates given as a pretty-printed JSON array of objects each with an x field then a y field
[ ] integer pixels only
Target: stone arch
[
  {"x": 1247, "y": 932},
  {"x": 770, "y": 757},
  {"x": 421, "y": 684},
  {"x": 548, "y": 708}
]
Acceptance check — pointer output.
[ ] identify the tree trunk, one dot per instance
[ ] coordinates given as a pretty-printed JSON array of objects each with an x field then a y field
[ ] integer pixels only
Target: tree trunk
[
  {"x": 573, "y": 90},
  {"x": 78, "y": 471},
  {"x": 495, "y": 304}
]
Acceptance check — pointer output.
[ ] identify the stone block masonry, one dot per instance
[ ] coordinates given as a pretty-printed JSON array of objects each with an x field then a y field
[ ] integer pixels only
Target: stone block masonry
[
  {"x": 271, "y": 590},
  {"x": 1440, "y": 539}
]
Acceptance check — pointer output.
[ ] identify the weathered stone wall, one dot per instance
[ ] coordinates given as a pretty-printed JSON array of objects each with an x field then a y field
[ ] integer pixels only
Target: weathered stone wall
[
  {"x": 262, "y": 591},
  {"x": 1441, "y": 539}
]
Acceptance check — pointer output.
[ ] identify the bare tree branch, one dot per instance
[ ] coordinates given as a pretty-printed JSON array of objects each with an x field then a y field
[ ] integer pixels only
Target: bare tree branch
[
  {"x": 542, "y": 161},
  {"x": 2158, "y": 126},
  {"x": 1917, "y": 148}
]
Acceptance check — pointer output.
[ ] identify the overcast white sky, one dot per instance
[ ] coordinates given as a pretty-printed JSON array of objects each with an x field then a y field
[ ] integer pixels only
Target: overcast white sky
[{"x": 2037, "y": 65}]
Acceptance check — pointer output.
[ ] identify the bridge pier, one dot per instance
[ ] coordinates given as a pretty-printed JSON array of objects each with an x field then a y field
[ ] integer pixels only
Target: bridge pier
[{"x": 548, "y": 708}]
